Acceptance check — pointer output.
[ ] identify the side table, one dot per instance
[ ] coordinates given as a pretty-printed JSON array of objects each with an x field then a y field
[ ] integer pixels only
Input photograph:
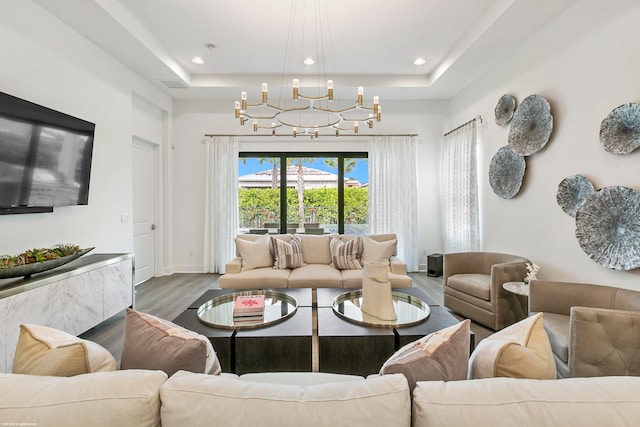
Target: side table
[{"x": 518, "y": 288}]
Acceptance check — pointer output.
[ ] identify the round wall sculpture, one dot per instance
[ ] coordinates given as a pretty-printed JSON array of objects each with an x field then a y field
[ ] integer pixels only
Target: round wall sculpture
[
  {"x": 608, "y": 227},
  {"x": 620, "y": 130},
  {"x": 506, "y": 172},
  {"x": 531, "y": 126},
  {"x": 504, "y": 110},
  {"x": 572, "y": 192}
]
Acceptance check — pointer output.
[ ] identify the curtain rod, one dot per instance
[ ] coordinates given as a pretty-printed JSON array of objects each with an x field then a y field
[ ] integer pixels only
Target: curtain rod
[
  {"x": 302, "y": 135},
  {"x": 464, "y": 124}
]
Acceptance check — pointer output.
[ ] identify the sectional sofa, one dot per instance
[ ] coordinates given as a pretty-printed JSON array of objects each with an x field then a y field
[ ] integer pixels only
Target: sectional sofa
[
  {"x": 311, "y": 261},
  {"x": 149, "y": 398}
]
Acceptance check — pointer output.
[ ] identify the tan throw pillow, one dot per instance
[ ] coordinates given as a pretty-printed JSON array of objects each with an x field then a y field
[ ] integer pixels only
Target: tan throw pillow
[
  {"x": 287, "y": 254},
  {"x": 47, "y": 351},
  {"x": 254, "y": 254},
  {"x": 521, "y": 350},
  {"x": 153, "y": 343},
  {"x": 377, "y": 252},
  {"x": 440, "y": 356},
  {"x": 344, "y": 255}
]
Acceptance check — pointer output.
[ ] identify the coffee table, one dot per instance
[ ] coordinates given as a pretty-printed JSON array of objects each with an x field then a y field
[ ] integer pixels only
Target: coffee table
[
  {"x": 283, "y": 346},
  {"x": 341, "y": 346},
  {"x": 348, "y": 348}
]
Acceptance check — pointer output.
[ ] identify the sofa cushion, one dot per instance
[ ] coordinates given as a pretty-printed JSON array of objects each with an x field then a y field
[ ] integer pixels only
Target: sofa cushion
[
  {"x": 47, "y": 351},
  {"x": 439, "y": 356},
  {"x": 265, "y": 277},
  {"x": 153, "y": 343},
  {"x": 521, "y": 350},
  {"x": 287, "y": 254},
  {"x": 299, "y": 378},
  {"x": 377, "y": 252},
  {"x": 477, "y": 285},
  {"x": 604, "y": 401},
  {"x": 112, "y": 399},
  {"x": 315, "y": 249},
  {"x": 255, "y": 254},
  {"x": 188, "y": 399},
  {"x": 310, "y": 275},
  {"x": 344, "y": 255},
  {"x": 353, "y": 279}
]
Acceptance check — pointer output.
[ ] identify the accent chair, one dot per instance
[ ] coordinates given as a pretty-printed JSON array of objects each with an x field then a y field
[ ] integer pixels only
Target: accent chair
[{"x": 473, "y": 287}]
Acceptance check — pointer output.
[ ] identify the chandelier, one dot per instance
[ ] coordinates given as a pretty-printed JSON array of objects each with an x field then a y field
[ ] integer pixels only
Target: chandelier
[{"x": 306, "y": 114}]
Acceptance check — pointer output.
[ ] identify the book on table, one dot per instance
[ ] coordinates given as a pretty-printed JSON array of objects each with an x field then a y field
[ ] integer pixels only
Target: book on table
[{"x": 248, "y": 307}]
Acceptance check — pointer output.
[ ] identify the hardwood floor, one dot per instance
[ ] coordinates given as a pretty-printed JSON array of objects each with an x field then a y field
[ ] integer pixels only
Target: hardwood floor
[{"x": 168, "y": 296}]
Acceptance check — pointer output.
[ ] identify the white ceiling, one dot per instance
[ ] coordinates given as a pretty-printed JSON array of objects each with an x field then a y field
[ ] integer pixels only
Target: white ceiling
[{"x": 369, "y": 43}]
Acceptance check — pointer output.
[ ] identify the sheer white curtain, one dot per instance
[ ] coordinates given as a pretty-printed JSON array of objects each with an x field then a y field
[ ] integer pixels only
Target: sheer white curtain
[
  {"x": 393, "y": 193},
  {"x": 221, "y": 203},
  {"x": 459, "y": 189}
]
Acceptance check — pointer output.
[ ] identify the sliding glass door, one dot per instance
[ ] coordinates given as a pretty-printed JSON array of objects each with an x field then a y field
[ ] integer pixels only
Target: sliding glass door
[{"x": 322, "y": 193}]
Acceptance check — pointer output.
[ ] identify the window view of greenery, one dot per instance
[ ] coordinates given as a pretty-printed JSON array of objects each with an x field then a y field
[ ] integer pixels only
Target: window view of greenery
[{"x": 312, "y": 204}]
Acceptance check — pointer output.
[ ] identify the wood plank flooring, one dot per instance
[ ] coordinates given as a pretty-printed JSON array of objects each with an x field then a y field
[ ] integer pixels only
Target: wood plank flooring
[{"x": 168, "y": 296}]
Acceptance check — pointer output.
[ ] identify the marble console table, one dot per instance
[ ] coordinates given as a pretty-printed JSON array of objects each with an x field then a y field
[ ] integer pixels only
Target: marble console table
[{"x": 74, "y": 298}]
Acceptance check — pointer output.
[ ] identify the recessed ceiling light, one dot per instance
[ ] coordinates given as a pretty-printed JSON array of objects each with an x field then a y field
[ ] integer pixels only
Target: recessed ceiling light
[
  {"x": 419, "y": 61},
  {"x": 309, "y": 61},
  {"x": 197, "y": 60}
]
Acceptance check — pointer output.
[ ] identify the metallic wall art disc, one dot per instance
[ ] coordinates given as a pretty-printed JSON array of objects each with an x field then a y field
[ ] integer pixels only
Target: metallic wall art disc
[
  {"x": 504, "y": 109},
  {"x": 608, "y": 227},
  {"x": 506, "y": 172},
  {"x": 572, "y": 192},
  {"x": 531, "y": 126},
  {"x": 620, "y": 130}
]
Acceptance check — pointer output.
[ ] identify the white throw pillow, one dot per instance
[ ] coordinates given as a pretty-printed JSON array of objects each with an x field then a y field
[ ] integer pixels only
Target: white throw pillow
[
  {"x": 255, "y": 254},
  {"x": 42, "y": 350},
  {"x": 521, "y": 350},
  {"x": 377, "y": 252}
]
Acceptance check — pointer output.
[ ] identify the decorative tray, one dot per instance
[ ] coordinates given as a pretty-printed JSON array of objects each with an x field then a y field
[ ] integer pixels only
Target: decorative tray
[{"x": 39, "y": 267}]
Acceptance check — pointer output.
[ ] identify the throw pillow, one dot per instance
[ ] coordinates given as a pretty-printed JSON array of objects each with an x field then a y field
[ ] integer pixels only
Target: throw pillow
[
  {"x": 440, "y": 356},
  {"x": 47, "y": 351},
  {"x": 521, "y": 350},
  {"x": 287, "y": 254},
  {"x": 344, "y": 255},
  {"x": 254, "y": 254},
  {"x": 153, "y": 343},
  {"x": 377, "y": 252}
]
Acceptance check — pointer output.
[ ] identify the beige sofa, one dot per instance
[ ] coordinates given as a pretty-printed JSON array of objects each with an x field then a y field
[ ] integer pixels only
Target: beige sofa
[
  {"x": 148, "y": 398},
  {"x": 317, "y": 271},
  {"x": 592, "y": 328}
]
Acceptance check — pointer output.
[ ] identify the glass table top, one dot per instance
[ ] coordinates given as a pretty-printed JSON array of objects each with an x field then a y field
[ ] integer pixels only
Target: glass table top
[
  {"x": 218, "y": 312},
  {"x": 409, "y": 310}
]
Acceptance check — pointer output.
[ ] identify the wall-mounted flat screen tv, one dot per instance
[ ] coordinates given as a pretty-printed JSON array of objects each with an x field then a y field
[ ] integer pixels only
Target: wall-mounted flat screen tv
[{"x": 45, "y": 157}]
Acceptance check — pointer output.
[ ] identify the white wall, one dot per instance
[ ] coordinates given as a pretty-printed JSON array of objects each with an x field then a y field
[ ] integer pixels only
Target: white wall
[
  {"x": 585, "y": 63},
  {"x": 194, "y": 119},
  {"x": 45, "y": 62}
]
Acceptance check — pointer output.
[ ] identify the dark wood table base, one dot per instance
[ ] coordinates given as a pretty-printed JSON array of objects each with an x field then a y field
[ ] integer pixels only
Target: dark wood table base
[{"x": 314, "y": 338}]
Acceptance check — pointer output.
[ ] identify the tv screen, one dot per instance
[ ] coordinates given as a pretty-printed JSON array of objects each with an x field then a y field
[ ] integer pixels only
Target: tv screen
[{"x": 45, "y": 156}]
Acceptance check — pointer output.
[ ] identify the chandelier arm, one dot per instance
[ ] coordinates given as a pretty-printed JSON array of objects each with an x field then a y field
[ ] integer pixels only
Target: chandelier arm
[
  {"x": 253, "y": 117},
  {"x": 292, "y": 125},
  {"x": 331, "y": 110},
  {"x": 313, "y": 97}
]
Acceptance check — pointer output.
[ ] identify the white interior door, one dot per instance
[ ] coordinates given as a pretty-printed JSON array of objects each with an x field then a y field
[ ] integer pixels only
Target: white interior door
[{"x": 144, "y": 204}]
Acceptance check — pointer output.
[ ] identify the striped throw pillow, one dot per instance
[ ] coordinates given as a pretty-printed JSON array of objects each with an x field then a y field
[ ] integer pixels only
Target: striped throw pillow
[
  {"x": 344, "y": 255},
  {"x": 287, "y": 254}
]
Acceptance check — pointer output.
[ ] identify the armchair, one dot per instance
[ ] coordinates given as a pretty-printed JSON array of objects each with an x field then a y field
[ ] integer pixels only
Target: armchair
[
  {"x": 594, "y": 330},
  {"x": 473, "y": 287}
]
